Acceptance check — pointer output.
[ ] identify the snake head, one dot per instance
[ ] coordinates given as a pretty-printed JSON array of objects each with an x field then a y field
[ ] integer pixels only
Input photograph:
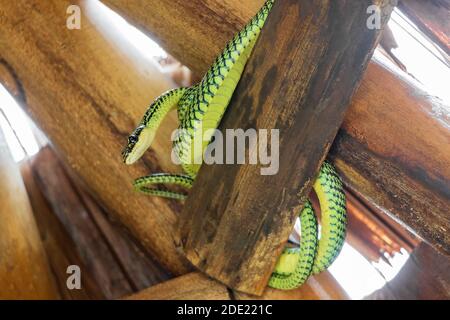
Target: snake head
[{"x": 138, "y": 142}]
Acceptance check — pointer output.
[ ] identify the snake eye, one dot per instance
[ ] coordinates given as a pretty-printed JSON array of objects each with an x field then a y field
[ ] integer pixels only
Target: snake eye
[{"x": 132, "y": 139}]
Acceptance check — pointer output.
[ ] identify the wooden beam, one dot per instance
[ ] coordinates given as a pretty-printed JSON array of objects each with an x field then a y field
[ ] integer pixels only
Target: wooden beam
[
  {"x": 141, "y": 270},
  {"x": 432, "y": 18},
  {"x": 384, "y": 99},
  {"x": 60, "y": 249},
  {"x": 24, "y": 269},
  {"x": 237, "y": 220},
  {"x": 373, "y": 234},
  {"x": 87, "y": 89},
  {"x": 196, "y": 286},
  {"x": 195, "y": 31},
  {"x": 118, "y": 267},
  {"x": 393, "y": 150},
  {"x": 73, "y": 213}
]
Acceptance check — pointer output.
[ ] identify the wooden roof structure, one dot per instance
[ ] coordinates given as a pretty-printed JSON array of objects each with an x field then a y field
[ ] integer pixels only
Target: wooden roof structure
[{"x": 86, "y": 89}]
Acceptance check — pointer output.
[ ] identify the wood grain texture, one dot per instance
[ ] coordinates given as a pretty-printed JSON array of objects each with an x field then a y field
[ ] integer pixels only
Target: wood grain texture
[
  {"x": 87, "y": 89},
  {"x": 397, "y": 157},
  {"x": 24, "y": 269},
  {"x": 319, "y": 287},
  {"x": 141, "y": 270},
  {"x": 60, "y": 249},
  {"x": 373, "y": 234},
  {"x": 75, "y": 216},
  {"x": 236, "y": 221},
  {"x": 194, "y": 32},
  {"x": 196, "y": 286},
  {"x": 384, "y": 99},
  {"x": 117, "y": 266}
]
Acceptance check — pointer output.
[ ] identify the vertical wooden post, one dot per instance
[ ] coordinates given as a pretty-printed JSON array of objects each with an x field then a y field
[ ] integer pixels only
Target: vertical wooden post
[
  {"x": 24, "y": 270},
  {"x": 306, "y": 66}
]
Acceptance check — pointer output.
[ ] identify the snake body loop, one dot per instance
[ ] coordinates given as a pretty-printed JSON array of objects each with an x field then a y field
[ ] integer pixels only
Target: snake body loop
[{"x": 200, "y": 109}]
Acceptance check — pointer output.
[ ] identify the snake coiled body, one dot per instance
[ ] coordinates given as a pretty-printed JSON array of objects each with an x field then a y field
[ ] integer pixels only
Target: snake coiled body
[{"x": 200, "y": 109}]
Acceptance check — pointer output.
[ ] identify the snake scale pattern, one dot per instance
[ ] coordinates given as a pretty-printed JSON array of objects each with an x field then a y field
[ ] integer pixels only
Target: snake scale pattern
[{"x": 200, "y": 108}]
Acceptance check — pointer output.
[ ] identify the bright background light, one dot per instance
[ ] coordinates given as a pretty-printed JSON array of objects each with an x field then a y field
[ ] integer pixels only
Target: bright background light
[
  {"x": 358, "y": 277},
  {"x": 422, "y": 59},
  {"x": 16, "y": 127}
]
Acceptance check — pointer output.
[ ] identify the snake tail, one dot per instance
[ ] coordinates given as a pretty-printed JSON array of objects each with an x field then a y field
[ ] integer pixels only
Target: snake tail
[{"x": 293, "y": 265}]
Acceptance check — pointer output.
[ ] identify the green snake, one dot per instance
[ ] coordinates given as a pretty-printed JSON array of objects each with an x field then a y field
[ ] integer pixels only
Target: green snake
[{"x": 200, "y": 108}]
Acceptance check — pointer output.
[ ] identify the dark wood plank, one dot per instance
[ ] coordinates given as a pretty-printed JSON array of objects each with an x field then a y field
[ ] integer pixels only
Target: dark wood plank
[
  {"x": 236, "y": 221},
  {"x": 90, "y": 244},
  {"x": 140, "y": 268}
]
